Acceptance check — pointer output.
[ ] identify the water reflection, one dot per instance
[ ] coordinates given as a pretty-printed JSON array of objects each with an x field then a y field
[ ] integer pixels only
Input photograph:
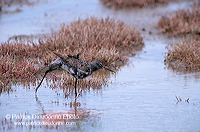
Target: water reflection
[{"x": 69, "y": 119}]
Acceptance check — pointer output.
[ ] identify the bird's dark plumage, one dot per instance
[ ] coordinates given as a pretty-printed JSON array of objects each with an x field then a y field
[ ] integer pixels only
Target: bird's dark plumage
[{"x": 74, "y": 66}]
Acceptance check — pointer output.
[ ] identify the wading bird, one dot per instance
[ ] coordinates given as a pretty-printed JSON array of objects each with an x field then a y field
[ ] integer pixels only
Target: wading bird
[{"x": 74, "y": 66}]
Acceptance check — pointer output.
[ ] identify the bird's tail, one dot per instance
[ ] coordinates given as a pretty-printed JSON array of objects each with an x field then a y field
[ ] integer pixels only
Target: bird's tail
[
  {"x": 59, "y": 55},
  {"x": 66, "y": 57},
  {"x": 77, "y": 56}
]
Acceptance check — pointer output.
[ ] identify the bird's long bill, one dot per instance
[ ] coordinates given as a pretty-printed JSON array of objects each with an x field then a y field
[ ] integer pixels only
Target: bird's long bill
[{"x": 108, "y": 69}]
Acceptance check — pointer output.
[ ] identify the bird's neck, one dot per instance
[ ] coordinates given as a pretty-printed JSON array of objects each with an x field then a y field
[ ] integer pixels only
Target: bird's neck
[{"x": 95, "y": 68}]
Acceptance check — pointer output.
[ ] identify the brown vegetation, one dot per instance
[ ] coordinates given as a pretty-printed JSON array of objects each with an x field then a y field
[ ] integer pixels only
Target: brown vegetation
[
  {"x": 4, "y": 4},
  {"x": 184, "y": 22},
  {"x": 185, "y": 55},
  {"x": 132, "y": 3},
  {"x": 16, "y": 2},
  {"x": 104, "y": 40}
]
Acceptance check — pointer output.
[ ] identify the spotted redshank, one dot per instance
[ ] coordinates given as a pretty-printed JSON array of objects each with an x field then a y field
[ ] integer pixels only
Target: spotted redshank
[{"x": 74, "y": 66}]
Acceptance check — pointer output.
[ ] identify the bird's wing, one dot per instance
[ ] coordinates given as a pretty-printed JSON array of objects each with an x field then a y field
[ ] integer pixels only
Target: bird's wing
[
  {"x": 81, "y": 65},
  {"x": 83, "y": 69},
  {"x": 75, "y": 66}
]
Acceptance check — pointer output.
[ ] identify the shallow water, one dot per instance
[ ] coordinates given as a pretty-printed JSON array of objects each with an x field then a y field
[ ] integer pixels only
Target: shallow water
[{"x": 141, "y": 97}]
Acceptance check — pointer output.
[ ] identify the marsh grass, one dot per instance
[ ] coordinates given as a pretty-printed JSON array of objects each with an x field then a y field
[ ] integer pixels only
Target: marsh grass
[
  {"x": 131, "y": 3},
  {"x": 182, "y": 23},
  {"x": 105, "y": 40},
  {"x": 9, "y": 3},
  {"x": 184, "y": 55}
]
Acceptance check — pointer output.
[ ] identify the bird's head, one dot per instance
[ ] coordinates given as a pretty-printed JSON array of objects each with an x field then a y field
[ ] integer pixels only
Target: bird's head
[{"x": 98, "y": 65}]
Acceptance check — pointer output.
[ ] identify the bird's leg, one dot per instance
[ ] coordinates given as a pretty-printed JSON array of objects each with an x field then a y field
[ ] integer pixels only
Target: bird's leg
[
  {"x": 78, "y": 95},
  {"x": 41, "y": 81},
  {"x": 75, "y": 87}
]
